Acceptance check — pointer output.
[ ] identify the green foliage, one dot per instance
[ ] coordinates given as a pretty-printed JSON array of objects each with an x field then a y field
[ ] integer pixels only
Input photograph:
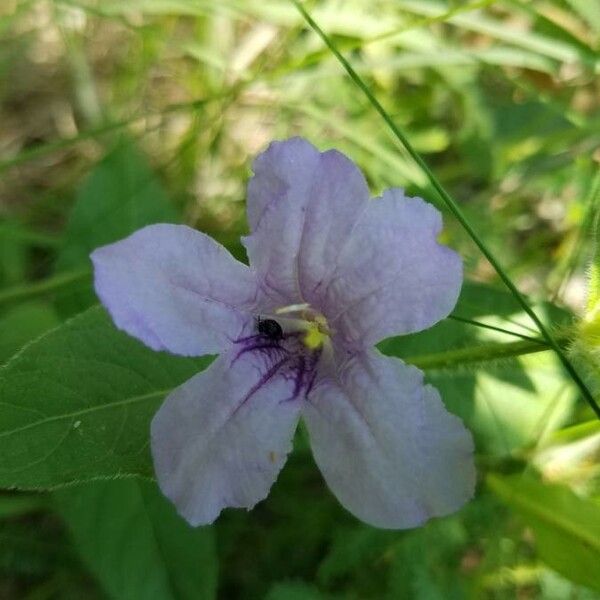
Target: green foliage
[
  {"x": 77, "y": 404},
  {"x": 22, "y": 324},
  {"x": 566, "y": 527},
  {"x": 133, "y": 541}
]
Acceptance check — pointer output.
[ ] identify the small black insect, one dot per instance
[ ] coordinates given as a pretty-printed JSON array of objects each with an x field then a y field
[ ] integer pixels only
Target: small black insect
[{"x": 270, "y": 328}]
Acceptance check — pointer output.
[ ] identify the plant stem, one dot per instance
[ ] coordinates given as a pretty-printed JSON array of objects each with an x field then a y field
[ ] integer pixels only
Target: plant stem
[
  {"x": 494, "y": 328},
  {"x": 476, "y": 354}
]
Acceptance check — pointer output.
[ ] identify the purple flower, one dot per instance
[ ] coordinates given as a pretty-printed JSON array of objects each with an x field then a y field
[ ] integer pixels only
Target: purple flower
[{"x": 331, "y": 273}]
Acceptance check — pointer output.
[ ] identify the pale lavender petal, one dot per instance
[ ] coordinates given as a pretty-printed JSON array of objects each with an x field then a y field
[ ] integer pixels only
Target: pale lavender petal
[
  {"x": 392, "y": 277},
  {"x": 386, "y": 445},
  {"x": 175, "y": 289},
  {"x": 302, "y": 206},
  {"x": 221, "y": 439}
]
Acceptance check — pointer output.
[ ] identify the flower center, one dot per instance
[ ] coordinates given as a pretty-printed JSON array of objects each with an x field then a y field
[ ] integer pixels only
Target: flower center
[
  {"x": 289, "y": 342},
  {"x": 313, "y": 323}
]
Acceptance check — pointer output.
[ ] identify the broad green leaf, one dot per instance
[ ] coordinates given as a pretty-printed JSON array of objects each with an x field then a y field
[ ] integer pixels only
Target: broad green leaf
[
  {"x": 22, "y": 324},
  {"x": 76, "y": 404},
  {"x": 566, "y": 526},
  {"x": 120, "y": 195},
  {"x": 131, "y": 538}
]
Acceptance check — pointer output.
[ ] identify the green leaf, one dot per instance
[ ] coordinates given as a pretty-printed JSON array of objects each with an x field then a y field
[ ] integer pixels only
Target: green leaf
[
  {"x": 131, "y": 538},
  {"x": 566, "y": 526},
  {"x": 76, "y": 404},
  {"x": 22, "y": 324},
  {"x": 120, "y": 195}
]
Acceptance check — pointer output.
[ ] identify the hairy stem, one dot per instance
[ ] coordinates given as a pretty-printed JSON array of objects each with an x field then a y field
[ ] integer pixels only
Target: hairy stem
[{"x": 476, "y": 354}]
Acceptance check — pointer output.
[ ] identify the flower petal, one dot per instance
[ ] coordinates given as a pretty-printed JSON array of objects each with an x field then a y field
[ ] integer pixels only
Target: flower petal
[
  {"x": 302, "y": 206},
  {"x": 392, "y": 276},
  {"x": 386, "y": 445},
  {"x": 221, "y": 439},
  {"x": 175, "y": 289}
]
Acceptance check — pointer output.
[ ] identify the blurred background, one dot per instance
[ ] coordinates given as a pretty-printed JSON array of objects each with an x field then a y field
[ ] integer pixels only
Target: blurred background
[{"x": 114, "y": 114}]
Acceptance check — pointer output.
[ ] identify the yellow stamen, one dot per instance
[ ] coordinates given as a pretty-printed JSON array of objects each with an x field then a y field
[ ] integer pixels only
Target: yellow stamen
[
  {"x": 314, "y": 337},
  {"x": 314, "y": 324}
]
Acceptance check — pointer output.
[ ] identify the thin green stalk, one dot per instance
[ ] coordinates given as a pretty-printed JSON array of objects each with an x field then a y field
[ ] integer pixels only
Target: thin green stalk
[
  {"x": 28, "y": 291},
  {"x": 454, "y": 209},
  {"x": 476, "y": 354},
  {"x": 495, "y": 328}
]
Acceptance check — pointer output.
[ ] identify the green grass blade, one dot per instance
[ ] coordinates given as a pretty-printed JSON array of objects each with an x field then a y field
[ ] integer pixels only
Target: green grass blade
[
  {"x": 454, "y": 208},
  {"x": 551, "y": 47}
]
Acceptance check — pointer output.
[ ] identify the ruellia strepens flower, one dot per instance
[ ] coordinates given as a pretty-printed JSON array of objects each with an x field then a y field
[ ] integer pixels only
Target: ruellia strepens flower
[{"x": 332, "y": 272}]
